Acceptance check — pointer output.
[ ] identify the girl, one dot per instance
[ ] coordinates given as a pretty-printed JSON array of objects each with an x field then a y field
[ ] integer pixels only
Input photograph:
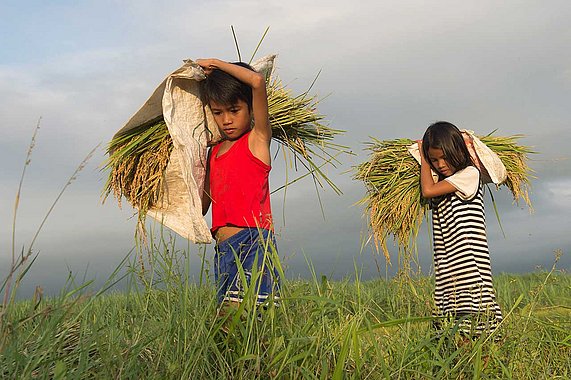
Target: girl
[{"x": 463, "y": 285}]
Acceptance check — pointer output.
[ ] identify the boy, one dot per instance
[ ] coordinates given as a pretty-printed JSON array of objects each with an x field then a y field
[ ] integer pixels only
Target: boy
[{"x": 237, "y": 179}]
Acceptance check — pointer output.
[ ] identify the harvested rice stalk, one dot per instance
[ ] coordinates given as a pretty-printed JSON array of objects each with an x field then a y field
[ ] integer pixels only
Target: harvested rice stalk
[
  {"x": 393, "y": 202},
  {"x": 138, "y": 158},
  {"x": 297, "y": 126},
  {"x": 514, "y": 157},
  {"x": 137, "y": 161}
]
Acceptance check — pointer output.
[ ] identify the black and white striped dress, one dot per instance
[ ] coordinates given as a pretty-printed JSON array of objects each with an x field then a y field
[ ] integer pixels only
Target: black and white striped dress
[{"x": 464, "y": 291}]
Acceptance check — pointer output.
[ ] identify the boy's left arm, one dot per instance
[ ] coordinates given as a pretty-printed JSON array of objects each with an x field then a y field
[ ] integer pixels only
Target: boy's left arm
[{"x": 261, "y": 135}]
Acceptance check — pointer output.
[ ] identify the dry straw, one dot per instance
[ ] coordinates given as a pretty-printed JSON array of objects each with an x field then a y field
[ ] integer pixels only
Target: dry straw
[
  {"x": 393, "y": 202},
  {"x": 137, "y": 159}
]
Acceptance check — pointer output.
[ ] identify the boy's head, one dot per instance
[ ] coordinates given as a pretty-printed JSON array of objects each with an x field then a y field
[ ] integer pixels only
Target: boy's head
[{"x": 222, "y": 88}]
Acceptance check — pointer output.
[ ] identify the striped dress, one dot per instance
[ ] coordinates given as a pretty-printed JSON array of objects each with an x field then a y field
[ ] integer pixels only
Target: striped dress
[{"x": 464, "y": 292}]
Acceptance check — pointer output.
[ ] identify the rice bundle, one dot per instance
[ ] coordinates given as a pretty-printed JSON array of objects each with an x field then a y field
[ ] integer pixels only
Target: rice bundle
[
  {"x": 394, "y": 203},
  {"x": 138, "y": 158},
  {"x": 297, "y": 126},
  {"x": 514, "y": 158}
]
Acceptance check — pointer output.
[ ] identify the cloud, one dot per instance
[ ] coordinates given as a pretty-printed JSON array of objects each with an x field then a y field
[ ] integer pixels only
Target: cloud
[
  {"x": 556, "y": 194},
  {"x": 388, "y": 70}
]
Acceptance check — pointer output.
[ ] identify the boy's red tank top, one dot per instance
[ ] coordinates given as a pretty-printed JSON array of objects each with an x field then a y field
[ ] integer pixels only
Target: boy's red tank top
[{"x": 239, "y": 187}]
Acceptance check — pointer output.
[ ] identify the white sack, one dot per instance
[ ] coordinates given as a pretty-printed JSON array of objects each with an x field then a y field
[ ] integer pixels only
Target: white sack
[{"x": 489, "y": 163}]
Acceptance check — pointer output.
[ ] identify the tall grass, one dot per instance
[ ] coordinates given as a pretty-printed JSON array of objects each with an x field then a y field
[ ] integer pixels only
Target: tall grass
[
  {"x": 167, "y": 327},
  {"x": 163, "y": 326},
  {"x": 20, "y": 263}
]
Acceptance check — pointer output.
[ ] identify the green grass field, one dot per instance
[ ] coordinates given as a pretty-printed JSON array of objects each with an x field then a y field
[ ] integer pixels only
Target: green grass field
[{"x": 164, "y": 327}]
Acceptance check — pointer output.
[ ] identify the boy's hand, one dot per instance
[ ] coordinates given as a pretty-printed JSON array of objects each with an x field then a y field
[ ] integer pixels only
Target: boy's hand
[{"x": 208, "y": 64}]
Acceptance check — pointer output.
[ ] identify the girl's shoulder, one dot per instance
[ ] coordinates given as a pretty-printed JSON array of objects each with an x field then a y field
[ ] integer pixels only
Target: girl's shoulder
[
  {"x": 466, "y": 181},
  {"x": 468, "y": 172}
]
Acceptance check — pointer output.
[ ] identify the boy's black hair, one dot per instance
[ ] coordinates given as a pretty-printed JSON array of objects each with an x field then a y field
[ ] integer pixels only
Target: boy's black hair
[
  {"x": 446, "y": 136},
  {"x": 222, "y": 88}
]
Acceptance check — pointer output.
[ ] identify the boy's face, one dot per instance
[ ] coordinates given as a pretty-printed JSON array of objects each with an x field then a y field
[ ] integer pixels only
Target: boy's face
[{"x": 233, "y": 120}]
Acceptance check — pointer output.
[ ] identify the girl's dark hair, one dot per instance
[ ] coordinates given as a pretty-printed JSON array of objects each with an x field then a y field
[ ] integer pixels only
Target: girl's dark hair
[
  {"x": 446, "y": 136},
  {"x": 222, "y": 88}
]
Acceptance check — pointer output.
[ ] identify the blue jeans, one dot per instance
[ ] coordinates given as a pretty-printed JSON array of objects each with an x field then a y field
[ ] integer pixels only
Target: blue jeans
[{"x": 251, "y": 246}]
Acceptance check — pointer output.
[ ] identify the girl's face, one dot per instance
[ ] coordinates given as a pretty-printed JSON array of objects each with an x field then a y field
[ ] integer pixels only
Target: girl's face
[
  {"x": 233, "y": 120},
  {"x": 438, "y": 160}
]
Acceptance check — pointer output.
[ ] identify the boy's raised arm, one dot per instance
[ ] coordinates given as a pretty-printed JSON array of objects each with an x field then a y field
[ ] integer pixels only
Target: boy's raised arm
[{"x": 257, "y": 82}]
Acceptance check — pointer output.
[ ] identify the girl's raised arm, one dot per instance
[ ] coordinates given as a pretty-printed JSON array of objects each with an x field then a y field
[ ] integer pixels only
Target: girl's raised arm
[{"x": 429, "y": 188}]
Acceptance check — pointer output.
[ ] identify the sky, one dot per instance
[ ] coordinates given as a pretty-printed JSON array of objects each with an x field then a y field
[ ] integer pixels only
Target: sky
[{"x": 387, "y": 69}]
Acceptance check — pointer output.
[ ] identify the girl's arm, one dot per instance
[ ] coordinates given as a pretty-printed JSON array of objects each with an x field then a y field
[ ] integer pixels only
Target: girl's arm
[{"x": 427, "y": 185}]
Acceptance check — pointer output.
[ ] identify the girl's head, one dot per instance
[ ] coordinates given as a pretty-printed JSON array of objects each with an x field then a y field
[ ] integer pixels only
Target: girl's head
[
  {"x": 224, "y": 89},
  {"x": 445, "y": 149}
]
